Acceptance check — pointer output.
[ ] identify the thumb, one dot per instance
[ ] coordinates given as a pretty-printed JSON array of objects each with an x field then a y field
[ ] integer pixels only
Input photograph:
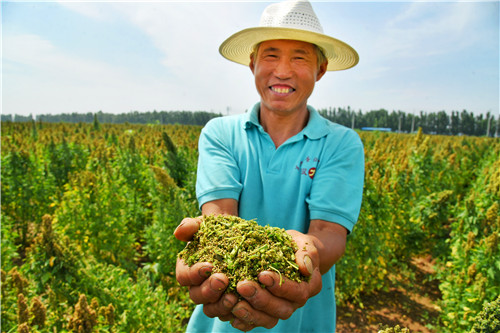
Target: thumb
[
  {"x": 187, "y": 228},
  {"x": 306, "y": 257}
]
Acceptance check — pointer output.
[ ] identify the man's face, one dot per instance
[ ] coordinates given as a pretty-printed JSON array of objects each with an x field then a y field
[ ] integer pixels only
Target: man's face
[{"x": 285, "y": 73}]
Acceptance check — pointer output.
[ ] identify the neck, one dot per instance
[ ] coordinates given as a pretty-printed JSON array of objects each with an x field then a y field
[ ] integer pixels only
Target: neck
[{"x": 282, "y": 126}]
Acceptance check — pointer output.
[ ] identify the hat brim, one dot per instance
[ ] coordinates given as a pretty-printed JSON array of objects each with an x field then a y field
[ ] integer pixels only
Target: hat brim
[{"x": 239, "y": 46}]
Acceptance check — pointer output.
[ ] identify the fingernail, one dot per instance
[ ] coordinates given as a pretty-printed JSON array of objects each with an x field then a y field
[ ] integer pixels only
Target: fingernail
[
  {"x": 266, "y": 280},
  {"x": 227, "y": 303},
  {"x": 180, "y": 225},
  {"x": 248, "y": 291},
  {"x": 217, "y": 285},
  {"x": 309, "y": 265},
  {"x": 205, "y": 271},
  {"x": 241, "y": 313},
  {"x": 239, "y": 324}
]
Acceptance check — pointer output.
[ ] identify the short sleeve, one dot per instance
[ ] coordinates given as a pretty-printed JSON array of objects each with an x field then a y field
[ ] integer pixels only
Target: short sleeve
[
  {"x": 218, "y": 175},
  {"x": 337, "y": 188}
]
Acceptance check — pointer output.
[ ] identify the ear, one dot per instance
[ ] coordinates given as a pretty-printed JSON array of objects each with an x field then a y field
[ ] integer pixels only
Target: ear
[
  {"x": 252, "y": 64},
  {"x": 322, "y": 70}
]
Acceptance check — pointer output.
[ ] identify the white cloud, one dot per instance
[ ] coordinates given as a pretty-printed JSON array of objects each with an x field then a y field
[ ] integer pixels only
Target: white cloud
[
  {"x": 90, "y": 9},
  {"x": 427, "y": 29},
  {"x": 42, "y": 57},
  {"x": 40, "y": 72},
  {"x": 38, "y": 77},
  {"x": 416, "y": 59},
  {"x": 189, "y": 35}
]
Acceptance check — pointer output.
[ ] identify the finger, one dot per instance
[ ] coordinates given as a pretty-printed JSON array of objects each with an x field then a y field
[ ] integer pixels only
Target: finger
[
  {"x": 210, "y": 291},
  {"x": 262, "y": 300},
  {"x": 295, "y": 292},
  {"x": 229, "y": 317},
  {"x": 248, "y": 317},
  {"x": 242, "y": 325},
  {"x": 307, "y": 256},
  {"x": 187, "y": 228},
  {"x": 194, "y": 275},
  {"x": 222, "y": 308}
]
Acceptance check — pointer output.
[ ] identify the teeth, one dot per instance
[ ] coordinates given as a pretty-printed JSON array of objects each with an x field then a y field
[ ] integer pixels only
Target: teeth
[{"x": 282, "y": 90}]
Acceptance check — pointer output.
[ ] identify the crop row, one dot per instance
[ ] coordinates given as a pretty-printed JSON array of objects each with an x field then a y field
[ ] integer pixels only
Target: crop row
[{"x": 88, "y": 214}]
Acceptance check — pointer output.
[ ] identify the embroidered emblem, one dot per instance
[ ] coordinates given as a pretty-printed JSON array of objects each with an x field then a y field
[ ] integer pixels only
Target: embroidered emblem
[{"x": 311, "y": 172}]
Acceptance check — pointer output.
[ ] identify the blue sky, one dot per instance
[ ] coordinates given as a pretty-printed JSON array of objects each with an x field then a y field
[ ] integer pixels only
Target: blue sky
[{"x": 64, "y": 57}]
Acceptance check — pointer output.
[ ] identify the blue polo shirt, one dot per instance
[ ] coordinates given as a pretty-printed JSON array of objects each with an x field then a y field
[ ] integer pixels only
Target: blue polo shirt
[{"x": 316, "y": 174}]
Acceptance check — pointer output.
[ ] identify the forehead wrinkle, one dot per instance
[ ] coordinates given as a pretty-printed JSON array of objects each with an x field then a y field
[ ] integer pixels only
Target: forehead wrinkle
[
  {"x": 271, "y": 49},
  {"x": 276, "y": 49},
  {"x": 301, "y": 51}
]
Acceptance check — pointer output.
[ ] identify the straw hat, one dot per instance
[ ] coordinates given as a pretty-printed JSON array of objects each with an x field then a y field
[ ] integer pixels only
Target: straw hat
[{"x": 295, "y": 20}]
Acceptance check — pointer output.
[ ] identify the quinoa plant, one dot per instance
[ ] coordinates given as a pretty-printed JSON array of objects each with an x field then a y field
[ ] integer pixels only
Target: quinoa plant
[
  {"x": 488, "y": 320},
  {"x": 242, "y": 249},
  {"x": 395, "y": 329}
]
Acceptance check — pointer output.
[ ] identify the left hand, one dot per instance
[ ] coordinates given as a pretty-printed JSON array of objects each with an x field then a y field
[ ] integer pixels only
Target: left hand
[{"x": 266, "y": 306}]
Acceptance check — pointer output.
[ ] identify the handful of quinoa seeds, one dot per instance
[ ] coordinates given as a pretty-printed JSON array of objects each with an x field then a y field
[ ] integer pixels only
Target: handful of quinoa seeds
[{"x": 242, "y": 249}]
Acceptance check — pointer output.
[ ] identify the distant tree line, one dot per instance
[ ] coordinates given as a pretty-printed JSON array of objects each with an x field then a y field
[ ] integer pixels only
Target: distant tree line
[
  {"x": 151, "y": 117},
  {"x": 458, "y": 123}
]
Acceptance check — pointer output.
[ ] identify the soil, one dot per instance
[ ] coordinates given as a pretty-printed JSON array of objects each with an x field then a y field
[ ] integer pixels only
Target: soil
[{"x": 410, "y": 304}]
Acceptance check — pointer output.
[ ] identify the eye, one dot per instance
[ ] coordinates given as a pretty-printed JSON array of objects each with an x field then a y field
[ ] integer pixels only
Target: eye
[{"x": 269, "y": 57}]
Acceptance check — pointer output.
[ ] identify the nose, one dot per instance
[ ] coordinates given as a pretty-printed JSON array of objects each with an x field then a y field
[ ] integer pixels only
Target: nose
[{"x": 283, "y": 69}]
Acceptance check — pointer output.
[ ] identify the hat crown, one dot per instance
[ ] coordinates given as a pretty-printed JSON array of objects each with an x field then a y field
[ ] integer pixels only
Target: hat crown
[{"x": 295, "y": 14}]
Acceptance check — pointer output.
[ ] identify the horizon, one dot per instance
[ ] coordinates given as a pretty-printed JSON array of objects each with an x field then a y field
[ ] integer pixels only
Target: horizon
[{"x": 495, "y": 118}]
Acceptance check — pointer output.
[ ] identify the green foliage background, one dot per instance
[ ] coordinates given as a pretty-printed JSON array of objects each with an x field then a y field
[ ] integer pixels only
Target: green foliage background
[{"x": 90, "y": 209}]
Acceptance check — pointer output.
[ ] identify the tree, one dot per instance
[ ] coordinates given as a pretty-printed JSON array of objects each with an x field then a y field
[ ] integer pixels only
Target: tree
[
  {"x": 467, "y": 123},
  {"x": 442, "y": 123},
  {"x": 455, "y": 123},
  {"x": 96, "y": 123}
]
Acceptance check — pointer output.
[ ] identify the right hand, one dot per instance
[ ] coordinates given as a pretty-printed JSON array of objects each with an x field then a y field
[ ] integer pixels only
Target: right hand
[{"x": 204, "y": 287}]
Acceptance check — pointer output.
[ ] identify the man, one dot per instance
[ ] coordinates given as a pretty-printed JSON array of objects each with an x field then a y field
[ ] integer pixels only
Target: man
[{"x": 284, "y": 165}]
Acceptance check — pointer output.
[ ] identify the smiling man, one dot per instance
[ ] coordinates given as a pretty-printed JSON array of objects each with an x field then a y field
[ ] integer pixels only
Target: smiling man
[
  {"x": 283, "y": 165},
  {"x": 285, "y": 73}
]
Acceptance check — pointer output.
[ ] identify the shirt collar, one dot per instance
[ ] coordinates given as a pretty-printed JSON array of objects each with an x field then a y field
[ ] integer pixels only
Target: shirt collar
[
  {"x": 316, "y": 127},
  {"x": 252, "y": 117}
]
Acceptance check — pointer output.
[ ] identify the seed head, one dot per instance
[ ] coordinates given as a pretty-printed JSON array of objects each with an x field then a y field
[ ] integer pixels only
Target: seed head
[{"x": 242, "y": 249}]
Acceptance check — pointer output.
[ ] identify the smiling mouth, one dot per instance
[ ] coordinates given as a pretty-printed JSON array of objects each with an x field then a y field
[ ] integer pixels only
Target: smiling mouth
[{"x": 281, "y": 89}]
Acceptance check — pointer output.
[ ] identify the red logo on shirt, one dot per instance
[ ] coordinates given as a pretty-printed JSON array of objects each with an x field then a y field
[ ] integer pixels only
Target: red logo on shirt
[{"x": 311, "y": 172}]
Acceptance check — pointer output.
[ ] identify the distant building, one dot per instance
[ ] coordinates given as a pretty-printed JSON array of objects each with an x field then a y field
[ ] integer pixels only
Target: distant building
[{"x": 380, "y": 129}]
